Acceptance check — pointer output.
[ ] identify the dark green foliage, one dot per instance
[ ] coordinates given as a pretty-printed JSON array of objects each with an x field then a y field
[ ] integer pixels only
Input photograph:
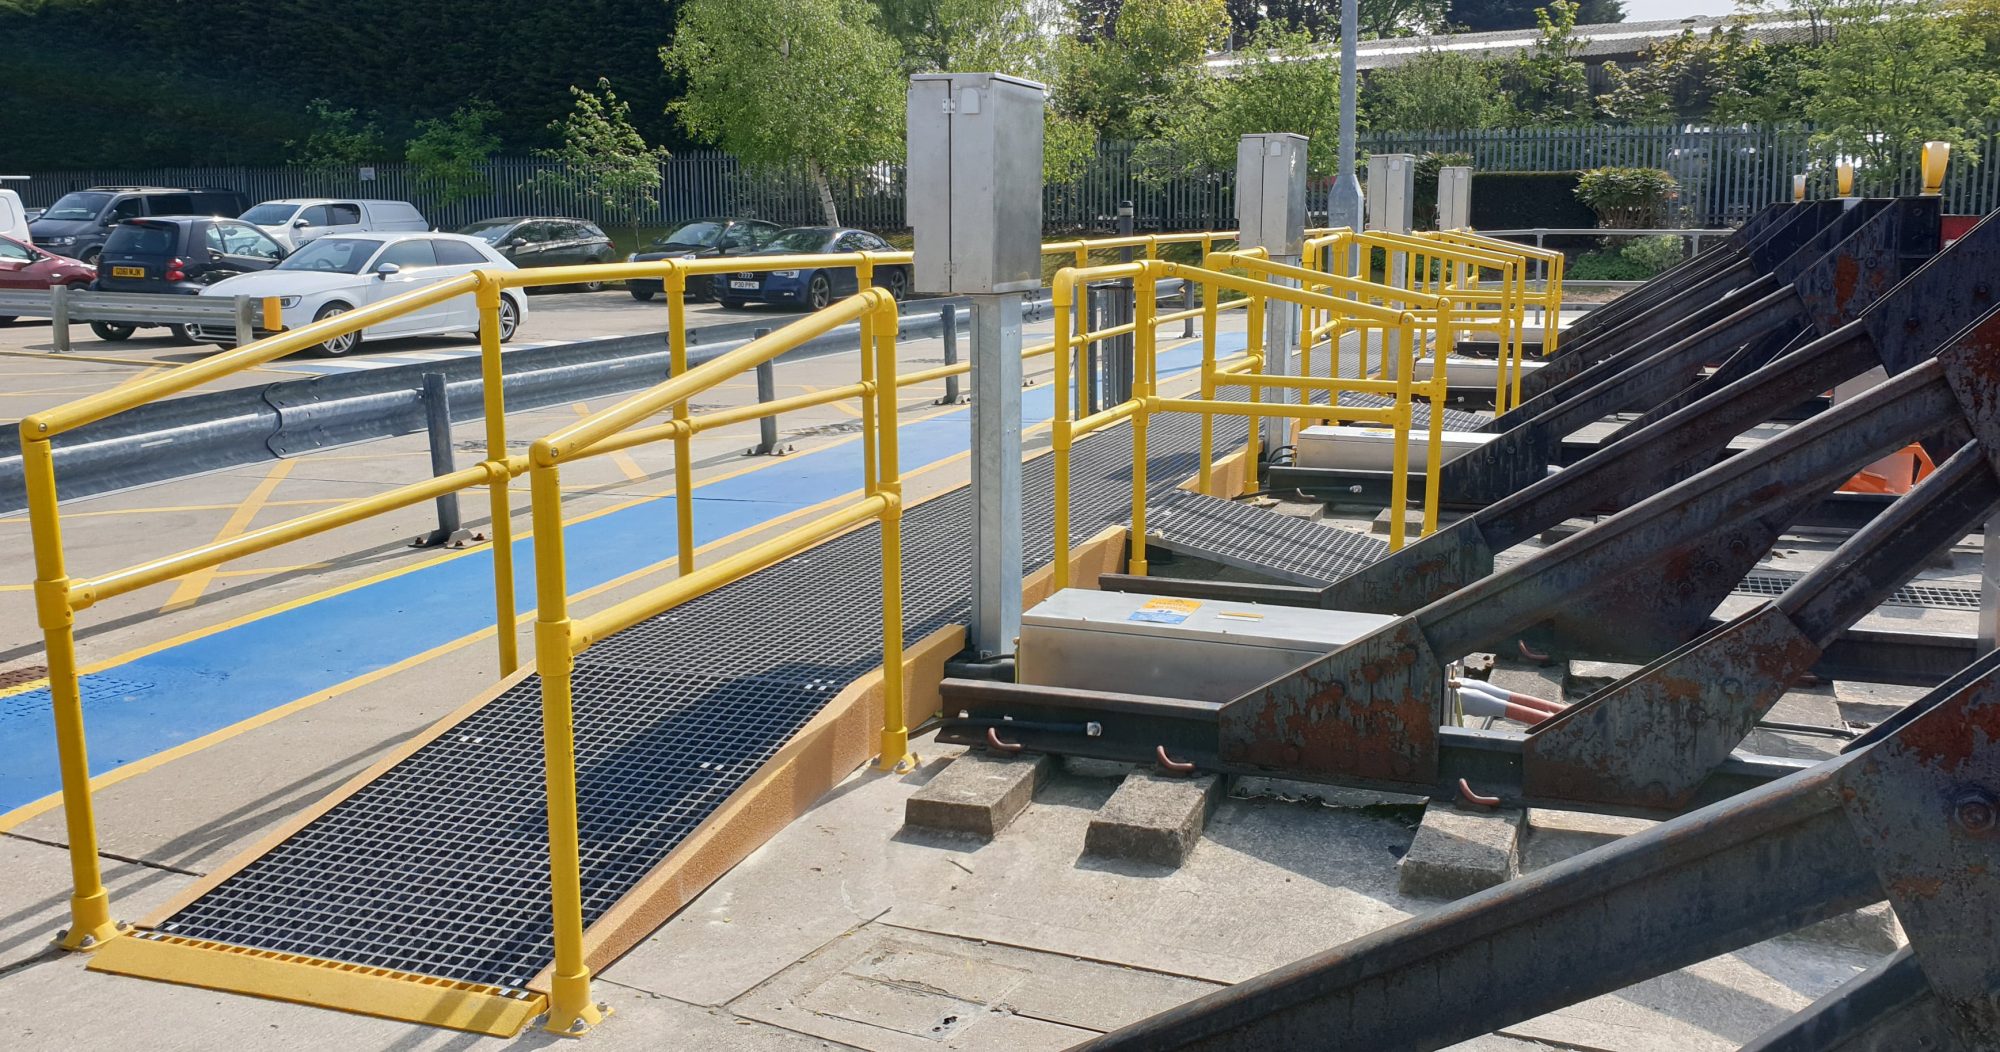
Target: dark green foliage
[
  {"x": 1513, "y": 200},
  {"x": 161, "y": 82},
  {"x": 1479, "y": 16},
  {"x": 1636, "y": 260}
]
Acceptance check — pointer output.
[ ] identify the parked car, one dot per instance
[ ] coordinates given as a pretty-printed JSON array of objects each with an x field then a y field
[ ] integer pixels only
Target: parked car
[
  {"x": 816, "y": 287},
  {"x": 700, "y": 239},
  {"x": 545, "y": 241},
  {"x": 296, "y": 220},
  {"x": 77, "y": 224},
  {"x": 25, "y": 268},
  {"x": 343, "y": 272},
  {"x": 179, "y": 256},
  {"x": 14, "y": 217}
]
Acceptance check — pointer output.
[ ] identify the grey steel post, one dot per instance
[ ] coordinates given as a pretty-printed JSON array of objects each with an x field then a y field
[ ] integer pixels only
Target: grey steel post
[
  {"x": 1190, "y": 299},
  {"x": 767, "y": 392},
  {"x": 246, "y": 326},
  {"x": 59, "y": 318},
  {"x": 1271, "y": 215},
  {"x": 948, "y": 328},
  {"x": 1989, "y": 586},
  {"x": 1096, "y": 318},
  {"x": 1343, "y": 197},
  {"x": 1122, "y": 308},
  {"x": 996, "y": 473},
  {"x": 437, "y": 422}
]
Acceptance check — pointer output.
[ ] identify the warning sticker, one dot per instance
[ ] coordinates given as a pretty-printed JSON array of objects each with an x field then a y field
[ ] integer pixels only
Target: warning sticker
[
  {"x": 1164, "y": 611},
  {"x": 1238, "y": 615}
]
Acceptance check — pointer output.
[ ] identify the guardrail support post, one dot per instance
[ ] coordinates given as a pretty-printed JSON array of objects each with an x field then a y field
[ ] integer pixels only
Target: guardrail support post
[
  {"x": 59, "y": 318},
  {"x": 996, "y": 473},
  {"x": 1190, "y": 299},
  {"x": 948, "y": 328},
  {"x": 767, "y": 391},
  {"x": 246, "y": 334},
  {"x": 437, "y": 423}
]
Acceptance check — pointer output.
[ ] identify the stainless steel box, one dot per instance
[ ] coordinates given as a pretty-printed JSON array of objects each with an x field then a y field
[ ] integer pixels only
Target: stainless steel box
[
  {"x": 1353, "y": 447},
  {"x": 1392, "y": 191},
  {"x": 1204, "y": 649},
  {"x": 1454, "y": 198},
  {"x": 1271, "y": 192},
  {"x": 974, "y": 182}
]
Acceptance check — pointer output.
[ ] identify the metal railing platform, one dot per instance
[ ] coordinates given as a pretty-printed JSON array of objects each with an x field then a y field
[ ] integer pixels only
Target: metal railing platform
[{"x": 437, "y": 868}]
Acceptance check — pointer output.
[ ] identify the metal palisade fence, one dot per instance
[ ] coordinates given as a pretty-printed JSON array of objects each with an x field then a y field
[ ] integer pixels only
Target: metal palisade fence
[{"x": 1725, "y": 173}]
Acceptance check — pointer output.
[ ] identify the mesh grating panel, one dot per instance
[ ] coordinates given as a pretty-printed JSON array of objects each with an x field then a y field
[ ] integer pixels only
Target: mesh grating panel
[
  {"x": 439, "y": 867},
  {"x": 1420, "y": 412},
  {"x": 1249, "y": 538},
  {"x": 1932, "y": 596}
]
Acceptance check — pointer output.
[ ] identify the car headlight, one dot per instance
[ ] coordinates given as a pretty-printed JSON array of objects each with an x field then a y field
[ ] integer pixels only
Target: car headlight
[
  {"x": 631, "y": 257},
  {"x": 288, "y": 301},
  {"x": 62, "y": 241},
  {"x": 687, "y": 257},
  {"x": 784, "y": 273}
]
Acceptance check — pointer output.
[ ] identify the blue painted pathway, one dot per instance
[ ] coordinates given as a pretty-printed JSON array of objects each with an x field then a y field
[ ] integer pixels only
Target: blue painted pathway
[{"x": 195, "y": 688}]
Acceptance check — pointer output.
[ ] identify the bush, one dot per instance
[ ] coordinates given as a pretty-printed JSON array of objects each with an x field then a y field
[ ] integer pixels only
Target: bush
[
  {"x": 1636, "y": 260},
  {"x": 1627, "y": 197}
]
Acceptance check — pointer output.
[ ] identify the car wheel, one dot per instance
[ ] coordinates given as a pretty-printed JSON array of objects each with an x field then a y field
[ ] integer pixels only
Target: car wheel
[
  {"x": 338, "y": 345},
  {"x": 181, "y": 335},
  {"x": 702, "y": 289},
  {"x": 642, "y": 295},
  {"x": 510, "y": 318},
  {"x": 90, "y": 256},
  {"x": 819, "y": 293},
  {"x": 731, "y": 304},
  {"x": 592, "y": 286},
  {"x": 898, "y": 284},
  {"x": 108, "y": 330}
]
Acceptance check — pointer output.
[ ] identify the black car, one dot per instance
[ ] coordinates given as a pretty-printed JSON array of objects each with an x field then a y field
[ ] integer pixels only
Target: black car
[
  {"x": 178, "y": 255},
  {"x": 546, "y": 241},
  {"x": 811, "y": 287},
  {"x": 78, "y": 223},
  {"x": 701, "y": 239}
]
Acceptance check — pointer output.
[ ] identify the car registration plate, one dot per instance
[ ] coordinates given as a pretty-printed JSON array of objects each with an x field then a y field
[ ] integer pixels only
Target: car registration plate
[
  {"x": 742, "y": 284},
  {"x": 128, "y": 272}
]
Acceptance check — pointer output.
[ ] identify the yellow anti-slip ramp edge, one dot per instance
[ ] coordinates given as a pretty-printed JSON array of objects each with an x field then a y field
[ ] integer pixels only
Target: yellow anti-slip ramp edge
[{"x": 837, "y": 741}]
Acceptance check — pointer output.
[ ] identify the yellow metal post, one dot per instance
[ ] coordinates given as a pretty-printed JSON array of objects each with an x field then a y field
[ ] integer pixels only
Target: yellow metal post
[
  {"x": 1136, "y": 566},
  {"x": 571, "y": 1008},
  {"x": 864, "y": 279},
  {"x": 896, "y": 755},
  {"x": 1399, "y": 461},
  {"x": 1254, "y": 343},
  {"x": 675, "y": 285},
  {"x": 1061, "y": 298},
  {"x": 89, "y": 904},
  {"x": 1208, "y": 320},
  {"x": 493, "y": 394}
]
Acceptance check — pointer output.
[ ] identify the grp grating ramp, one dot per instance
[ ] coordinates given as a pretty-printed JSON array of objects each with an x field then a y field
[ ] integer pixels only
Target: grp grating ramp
[
  {"x": 1773, "y": 583},
  {"x": 1224, "y": 531},
  {"x": 1420, "y": 412},
  {"x": 439, "y": 867}
]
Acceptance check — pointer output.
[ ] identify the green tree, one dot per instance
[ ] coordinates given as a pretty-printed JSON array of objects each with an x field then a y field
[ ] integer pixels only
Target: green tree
[
  {"x": 1131, "y": 71},
  {"x": 451, "y": 153},
  {"x": 603, "y": 157},
  {"x": 1883, "y": 86},
  {"x": 785, "y": 82},
  {"x": 1280, "y": 83},
  {"x": 1547, "y": 82},
  {"x": 1321, "y": 18},
  {"x": 337, "y": 138},
  {"x": 1688, "y": 78},
  {"x": 1482, "y": 16},
  {"x": 1436, "y": 91}
]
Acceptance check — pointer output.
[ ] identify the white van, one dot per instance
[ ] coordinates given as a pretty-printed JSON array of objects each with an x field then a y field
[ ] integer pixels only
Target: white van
[
  {"x": 294, "y": 221},
  {"x": 13, "y": 218}
]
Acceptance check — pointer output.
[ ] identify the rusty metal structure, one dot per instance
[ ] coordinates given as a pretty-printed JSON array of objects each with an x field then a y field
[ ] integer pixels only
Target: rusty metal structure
[{"x": 1805, "y": 298}]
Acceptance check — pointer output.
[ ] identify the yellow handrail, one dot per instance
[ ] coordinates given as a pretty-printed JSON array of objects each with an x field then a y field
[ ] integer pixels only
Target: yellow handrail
[{"x": 58, "y": 597}]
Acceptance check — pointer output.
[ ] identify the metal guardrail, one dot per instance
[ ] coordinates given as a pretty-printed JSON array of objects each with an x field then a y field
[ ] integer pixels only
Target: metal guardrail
[{"x": 64, "y": 306}]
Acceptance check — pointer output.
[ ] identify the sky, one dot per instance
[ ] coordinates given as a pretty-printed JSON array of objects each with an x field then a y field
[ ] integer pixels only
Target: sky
[{"x": 1654, "y": 10}]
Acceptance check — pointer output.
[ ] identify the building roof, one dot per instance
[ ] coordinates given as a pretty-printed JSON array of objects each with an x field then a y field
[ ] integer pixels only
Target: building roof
[{"x": 1615, "y": 40}]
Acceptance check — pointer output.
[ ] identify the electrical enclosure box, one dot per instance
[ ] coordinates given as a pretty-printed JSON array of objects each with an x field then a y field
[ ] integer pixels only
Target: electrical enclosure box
[
  {"x": 1392, "y": 191},
  {"x": 1454, "y": 198},
  {"x": 1271, "y": 192},
  {"x": 1201, "y": 649},
  {"x": 974, "y": 182},
  {"x": 1351, "y": 447}
]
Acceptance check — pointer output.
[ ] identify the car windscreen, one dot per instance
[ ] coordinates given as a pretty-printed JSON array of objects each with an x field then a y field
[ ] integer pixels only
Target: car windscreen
[
  {"x": 142, "y": 239},
  {"x": 489, "y": 231},
  {"x": 78, "y": 206},
  {"x": 339, "y": 255},
  {"x": 271, "y": 213},
  {"x": 696, "y": 233},
  {"x": 799, "y": 239}
]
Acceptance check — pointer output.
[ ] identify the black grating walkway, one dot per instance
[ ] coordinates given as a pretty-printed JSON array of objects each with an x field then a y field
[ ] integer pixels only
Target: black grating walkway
[
  {"x": 1223, "y": 531},
  {"x": 439, "y": 867},
  {"x": 1931, "y": 596}
]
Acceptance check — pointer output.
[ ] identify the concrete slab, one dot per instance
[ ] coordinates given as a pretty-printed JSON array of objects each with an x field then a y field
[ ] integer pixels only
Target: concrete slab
[
  {"x": 1291, "y": 509},
  {"x": 34, "y": 898},
  {"x": 1458, "y": 852},
  {"x": 977, "y": 794},
  {"x": 1552, "y": 836},
  {"x": 1153, "y": 818},
  {"x": 1870, "y": 929},
  {"x": 1810, "y": 707}
]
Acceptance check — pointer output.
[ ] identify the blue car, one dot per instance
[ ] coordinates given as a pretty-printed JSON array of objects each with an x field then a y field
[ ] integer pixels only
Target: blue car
[{"x": 812, "y": 288}]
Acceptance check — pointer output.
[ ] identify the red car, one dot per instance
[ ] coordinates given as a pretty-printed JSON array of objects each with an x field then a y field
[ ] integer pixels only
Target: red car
[{"x": 25, "y": 267}]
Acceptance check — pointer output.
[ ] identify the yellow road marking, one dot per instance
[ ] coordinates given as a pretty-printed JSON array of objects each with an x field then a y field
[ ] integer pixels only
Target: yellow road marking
[
  {"x": 619, "y": 457},
  {"x": 842, "y": 405},
  {"x": 190, "y": 587}
]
